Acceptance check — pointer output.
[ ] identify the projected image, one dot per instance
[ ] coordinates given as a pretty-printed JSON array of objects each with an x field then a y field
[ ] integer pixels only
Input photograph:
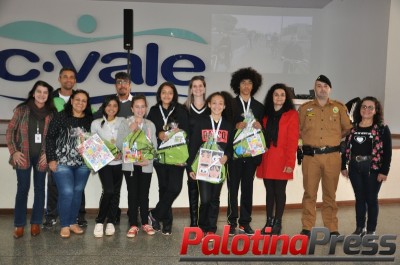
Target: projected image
[{"x": 270, "y": 44}]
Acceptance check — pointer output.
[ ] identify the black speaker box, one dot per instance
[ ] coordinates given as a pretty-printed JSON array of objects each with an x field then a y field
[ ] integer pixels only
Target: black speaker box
[{"x": 128, "y": 29}]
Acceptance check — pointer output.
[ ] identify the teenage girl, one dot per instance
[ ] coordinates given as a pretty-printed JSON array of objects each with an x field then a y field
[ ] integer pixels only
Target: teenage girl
[
  {"x": 217, "y": 125},
  {"x": 110, "y": 175},
  {"x": 138, "y": 175},
  {"x": 197, "y": 108},
  {"x": 170, "y": 177}
]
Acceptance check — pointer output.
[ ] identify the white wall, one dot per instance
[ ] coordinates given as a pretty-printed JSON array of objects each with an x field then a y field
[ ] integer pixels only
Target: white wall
[
  {"x": 354, "y": 44},
  {"x": 392, "y": 68},
  {"x": 349, "y": 44}
]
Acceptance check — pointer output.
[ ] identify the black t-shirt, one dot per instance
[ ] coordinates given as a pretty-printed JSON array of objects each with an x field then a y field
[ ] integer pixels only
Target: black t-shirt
[{"x": 361, "y": 143}]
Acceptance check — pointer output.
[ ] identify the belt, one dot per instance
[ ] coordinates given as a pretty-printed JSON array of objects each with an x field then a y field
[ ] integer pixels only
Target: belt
[
  {"x": 311, "y": 151},
  {"x": 361, "y": 158}
]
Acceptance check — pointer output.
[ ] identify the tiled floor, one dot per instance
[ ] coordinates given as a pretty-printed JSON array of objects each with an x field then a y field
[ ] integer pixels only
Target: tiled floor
[{"x": 49, "y": 248}]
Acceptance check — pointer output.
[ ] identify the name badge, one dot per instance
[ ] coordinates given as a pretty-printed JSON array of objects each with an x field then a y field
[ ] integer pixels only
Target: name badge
[{"x": 38, "y": 138}]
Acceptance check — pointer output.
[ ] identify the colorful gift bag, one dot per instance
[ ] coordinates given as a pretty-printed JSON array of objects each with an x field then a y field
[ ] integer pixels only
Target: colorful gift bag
[
  {"x": 248, "y": 142},
  {"x": 137, "y": 147}
]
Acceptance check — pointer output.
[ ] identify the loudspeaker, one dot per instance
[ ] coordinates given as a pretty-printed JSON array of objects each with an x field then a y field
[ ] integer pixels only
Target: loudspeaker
[{"x": 128, "y": 29}]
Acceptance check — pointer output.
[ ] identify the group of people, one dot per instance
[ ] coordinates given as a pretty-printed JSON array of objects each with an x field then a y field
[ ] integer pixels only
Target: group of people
[{"x": 46, "y": 130}]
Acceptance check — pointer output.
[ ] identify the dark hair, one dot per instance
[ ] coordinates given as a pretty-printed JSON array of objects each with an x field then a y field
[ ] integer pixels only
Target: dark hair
[
  {"x": 190, "y": 97},
  {"x": 68, "y": 105},
  {"x": 174, "y": 99},
  {"x": 68, "y": 68},
  {"x": 49, "y": 104},
  {"x": 228, "y": 101},
  {"x": 121, "y": 75},
  {"x": 107, "y": 101},
  {"x": 246, "y": 73},
  {"x": 378, "y": 117},
  {"x": 138, "y": 97},
  {"x": 269, "y": 101}
]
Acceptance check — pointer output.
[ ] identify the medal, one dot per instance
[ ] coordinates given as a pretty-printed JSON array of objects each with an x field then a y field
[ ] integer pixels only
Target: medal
[{"x": 165, "y": 119}]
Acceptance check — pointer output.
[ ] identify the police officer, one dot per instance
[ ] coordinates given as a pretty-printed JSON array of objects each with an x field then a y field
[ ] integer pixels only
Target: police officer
[{"x": 323, "y": 123}]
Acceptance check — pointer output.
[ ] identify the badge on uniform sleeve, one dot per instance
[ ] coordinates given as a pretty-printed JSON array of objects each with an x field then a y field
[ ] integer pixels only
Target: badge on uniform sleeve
[{"x": 335, "y": 109}]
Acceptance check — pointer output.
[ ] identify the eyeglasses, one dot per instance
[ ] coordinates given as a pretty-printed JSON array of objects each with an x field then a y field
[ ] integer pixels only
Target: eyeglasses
[
  {"x": 364, "y": 107},
  {"x": 122, "y": 82}
]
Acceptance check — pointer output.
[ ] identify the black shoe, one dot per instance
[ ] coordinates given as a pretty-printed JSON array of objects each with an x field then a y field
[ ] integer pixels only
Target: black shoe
[
  {"x": 166, "y": 230},
  {"x": 269, "y": 223},
  {"x": 335, "y": 233},
  {"x": 277, "y": 227},
  {"x": 371, "y": 233},
  {"x": 81, "y": 221},
  {"x": 305, "y": 232},
  {"x": 153, "y": 222},
  {"x": 360, "y": 231},
  {"x": 246, "y": 229},
  {"x": 232, "y": 230},
  {"x": 50, "y": 223}
]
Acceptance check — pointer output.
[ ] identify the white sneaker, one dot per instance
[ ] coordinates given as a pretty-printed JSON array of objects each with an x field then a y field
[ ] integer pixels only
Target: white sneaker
[
  {"x": 98, "y": 230},
  {"x": 110, "y": 229}
]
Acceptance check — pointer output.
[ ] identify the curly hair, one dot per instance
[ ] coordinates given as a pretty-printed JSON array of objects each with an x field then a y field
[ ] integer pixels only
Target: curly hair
[
  {"x": 378, "y": 117},
  {"x": 246, "y": 73},
  {"x": 228, "y": 113},
  {"x": 269, "y": 101}
]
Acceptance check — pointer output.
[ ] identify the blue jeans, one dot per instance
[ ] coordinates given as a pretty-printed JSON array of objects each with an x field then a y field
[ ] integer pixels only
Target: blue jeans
[
  {"x": 366, "y": 188},
  {"x": 21, "y": 199},
  {"x": 71, "y": 182}
]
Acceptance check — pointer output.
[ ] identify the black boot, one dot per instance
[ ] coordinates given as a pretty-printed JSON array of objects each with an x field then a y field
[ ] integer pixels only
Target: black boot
[
  {"x": 193, "y": 192},
  {"x": 277, "y": 227},
  {"x": 269, "y": 223}
]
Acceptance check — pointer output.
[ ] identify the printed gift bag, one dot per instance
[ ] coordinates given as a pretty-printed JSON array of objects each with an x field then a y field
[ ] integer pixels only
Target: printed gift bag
[
  {"x": 248, "y": 142},
  {"x": 206, "y": 164}
]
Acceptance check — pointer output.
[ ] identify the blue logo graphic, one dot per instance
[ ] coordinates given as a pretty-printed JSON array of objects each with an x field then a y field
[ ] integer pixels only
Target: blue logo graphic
[
  {"x": 44, "y": 33},
  {"x": 39, "y": 32}
]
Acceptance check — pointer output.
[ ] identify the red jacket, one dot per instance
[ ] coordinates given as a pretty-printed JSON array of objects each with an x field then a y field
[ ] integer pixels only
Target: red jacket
[{"x": 284, "y": 154}]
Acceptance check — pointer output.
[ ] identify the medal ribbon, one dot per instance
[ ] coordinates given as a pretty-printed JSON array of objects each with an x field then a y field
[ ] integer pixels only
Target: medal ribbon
[
  {"x": 215, "y": 132},
  {"x": 165, "y": 119}
]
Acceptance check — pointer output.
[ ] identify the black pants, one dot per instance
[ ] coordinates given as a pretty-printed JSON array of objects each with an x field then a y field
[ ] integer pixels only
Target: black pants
[
  {"x": 193, "y": 194},
  {"x": 170, "y": 180},
  {"x": 52, "y": 198},
  {"x": 276, "y": 197},
  {"x": 111, "y": 181},
  {"x": 366, "y": 188},
  {"x": 138, "y": 186},
  {"x": 241, "y": 173},
  {"x": 209, "y": 205}
]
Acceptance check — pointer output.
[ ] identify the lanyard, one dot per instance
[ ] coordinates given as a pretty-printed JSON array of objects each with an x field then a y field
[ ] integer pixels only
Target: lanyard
[
  {"x": 245, "y": 110},
  {"x": 197, "y": 111},
  {"x": 165, "y": 119},
  {"x": 215, "y": 132},
  {"x": 37, "y": 127},
  {"x": 111, "y": 126}
]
